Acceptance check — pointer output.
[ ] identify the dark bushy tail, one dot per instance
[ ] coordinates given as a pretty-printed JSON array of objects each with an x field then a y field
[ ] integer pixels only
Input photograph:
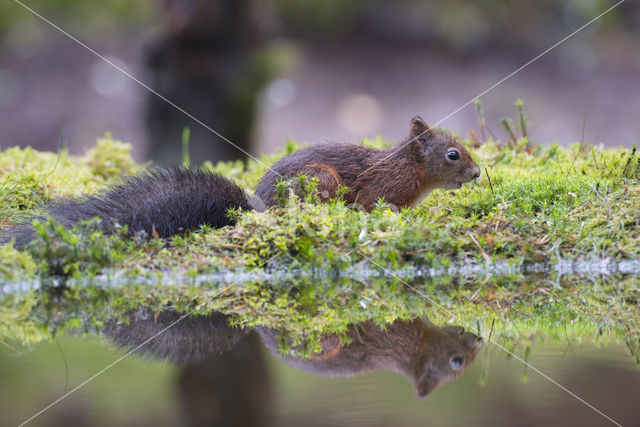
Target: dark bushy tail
[{"x": 160, "y": 201}]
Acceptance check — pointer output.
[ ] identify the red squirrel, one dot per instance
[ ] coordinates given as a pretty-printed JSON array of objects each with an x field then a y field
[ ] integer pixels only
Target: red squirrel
[
  {"x": 404, "y": 174},
  {"x": 167, "y": 201}
]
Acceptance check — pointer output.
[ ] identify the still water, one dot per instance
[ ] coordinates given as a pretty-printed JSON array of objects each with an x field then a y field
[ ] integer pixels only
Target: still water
[
  {"x": 251, "y": 386},
  {"x": 544, "y": 364}
]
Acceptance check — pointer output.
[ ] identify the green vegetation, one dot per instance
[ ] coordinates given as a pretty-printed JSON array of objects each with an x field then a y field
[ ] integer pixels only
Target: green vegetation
[{"x": 313, "y": 268}]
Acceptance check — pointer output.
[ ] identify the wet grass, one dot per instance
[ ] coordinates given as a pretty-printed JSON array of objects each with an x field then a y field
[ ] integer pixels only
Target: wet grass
[{"x": 533, "y": 204}]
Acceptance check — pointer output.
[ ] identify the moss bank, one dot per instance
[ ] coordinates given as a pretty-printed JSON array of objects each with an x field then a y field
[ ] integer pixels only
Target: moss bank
[{"x": 317, "y": 267}]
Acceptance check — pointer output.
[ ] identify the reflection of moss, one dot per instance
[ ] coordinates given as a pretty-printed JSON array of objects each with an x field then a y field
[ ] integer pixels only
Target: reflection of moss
[
  {"x": 15, "y": 265},
  {"x": 20, "y": 325},
  {"x": 516, "y": 311},
  {"x": 548, "y": 204}
]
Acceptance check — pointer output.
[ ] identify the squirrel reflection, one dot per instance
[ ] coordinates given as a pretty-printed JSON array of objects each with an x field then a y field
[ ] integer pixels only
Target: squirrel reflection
[{"x": 428, "y": 355}]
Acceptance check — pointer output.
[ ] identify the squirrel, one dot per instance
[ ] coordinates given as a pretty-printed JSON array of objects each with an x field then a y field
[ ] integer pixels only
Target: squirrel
[
  {"x": 167, "y": 201},
  {"x": 403, "y": 175},
  {"x": 428, "y": 355}
]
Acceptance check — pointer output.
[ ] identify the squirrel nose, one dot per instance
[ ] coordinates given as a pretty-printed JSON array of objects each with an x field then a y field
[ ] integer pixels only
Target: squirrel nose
[{"x": 476, "y": 173}]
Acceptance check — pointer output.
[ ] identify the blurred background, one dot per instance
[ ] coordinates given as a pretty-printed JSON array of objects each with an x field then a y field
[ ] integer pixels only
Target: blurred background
[{"x": 261, "y": 71}]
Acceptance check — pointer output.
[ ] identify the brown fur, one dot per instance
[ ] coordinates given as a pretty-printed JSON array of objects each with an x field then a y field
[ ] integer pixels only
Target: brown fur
[
  {"x": 417, "y": 349},
  {"x": 328, "y": 179},
  {"x": 402, "y": 174}
]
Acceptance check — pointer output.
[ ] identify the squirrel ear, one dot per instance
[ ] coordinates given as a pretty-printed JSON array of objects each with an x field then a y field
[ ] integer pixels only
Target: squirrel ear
[{"x": 419, "y": 128}]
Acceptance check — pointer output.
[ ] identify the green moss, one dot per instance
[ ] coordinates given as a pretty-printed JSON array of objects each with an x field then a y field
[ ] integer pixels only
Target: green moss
[
  {"x": 318, "y": 265},
  {"x": 109, "y": 158},
  {"x": 80, "y": 252},
  {"x": 30, "y": 178}
]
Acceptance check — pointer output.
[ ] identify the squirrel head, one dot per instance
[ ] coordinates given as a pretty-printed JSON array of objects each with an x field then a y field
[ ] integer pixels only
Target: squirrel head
[
  {"x": 448, "y": 353},
  {"x": 445, "y": 161}
]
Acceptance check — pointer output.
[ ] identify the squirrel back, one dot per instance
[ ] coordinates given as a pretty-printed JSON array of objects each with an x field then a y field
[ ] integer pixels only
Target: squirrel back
[{"x": 403, "y": 174}]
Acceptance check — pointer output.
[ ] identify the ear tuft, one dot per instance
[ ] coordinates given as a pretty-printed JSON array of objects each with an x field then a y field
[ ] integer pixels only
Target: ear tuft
[{"x": 419, "y": 127}]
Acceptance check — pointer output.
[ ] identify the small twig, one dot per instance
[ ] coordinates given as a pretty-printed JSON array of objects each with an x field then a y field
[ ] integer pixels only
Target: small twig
[
  {"x": 577, "y": 209},
  {"x": 490, "y": 185},
  {"x": 486, "y": 257},
  {"x": 482, "y": 121},
  {"x": 499, "y": 159},
  {"x": 484, "y": 282},
  {"x": 593, "y": 156},
  {"x": 493, "y": 321},
  {"x": 521, "y": 117},
  {"x": 417, "y": 251},
  {"x": 584, "y": 123},
  {"x": 635, "y": 172},
  {"x": 66, "y": 365},
  {"x": 440, "y": 205},
  {"x": 508, "y": 126},
  {"x": 633, "y": 153},
  {"x": 186, "y": 157},
  {"x": 569, "y": 346},
  {"x": 573, "y": 250}
]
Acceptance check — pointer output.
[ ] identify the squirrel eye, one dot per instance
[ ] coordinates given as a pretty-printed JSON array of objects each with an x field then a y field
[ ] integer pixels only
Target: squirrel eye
[
  {"x": 456, "y": 362},
  {"x": 453, "y": 155}
]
